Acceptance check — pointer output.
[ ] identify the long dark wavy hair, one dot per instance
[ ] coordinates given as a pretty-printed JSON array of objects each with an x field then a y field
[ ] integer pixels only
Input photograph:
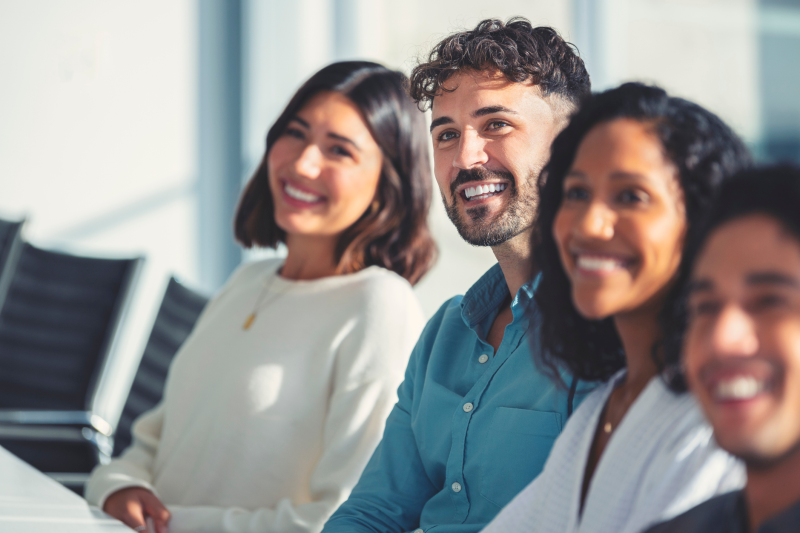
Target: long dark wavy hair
[
  {"x": 703, "y": 149},
  {"x": 773, "y": 191},
  {"x": 393, "y": 233}
]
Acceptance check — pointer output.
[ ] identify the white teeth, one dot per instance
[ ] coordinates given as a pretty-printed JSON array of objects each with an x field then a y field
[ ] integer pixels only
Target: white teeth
[
  {"x": 481, "y": 190},
  {"x": 598, "y": 263},
  {"x": 738, "y": 388},
  {"x": 303, "y": 196}
]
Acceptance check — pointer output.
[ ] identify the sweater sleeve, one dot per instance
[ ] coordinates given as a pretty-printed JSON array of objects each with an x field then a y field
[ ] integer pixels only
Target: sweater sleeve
[
  {"x": 368, "y": 368},
  {"x": 135, "y": 466}
]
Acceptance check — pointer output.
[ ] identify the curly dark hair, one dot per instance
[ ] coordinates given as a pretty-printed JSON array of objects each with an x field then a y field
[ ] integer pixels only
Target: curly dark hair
[
  {"x": 395, "y": 233},
  {"x": 516, "y": 49},
  {"x": 704, "y": 150},
  {"x": 773, "y": 191}
]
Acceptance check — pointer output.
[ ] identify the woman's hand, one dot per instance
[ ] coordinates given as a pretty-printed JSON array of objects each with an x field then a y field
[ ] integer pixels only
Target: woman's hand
[{"x": 132, "y": 506}]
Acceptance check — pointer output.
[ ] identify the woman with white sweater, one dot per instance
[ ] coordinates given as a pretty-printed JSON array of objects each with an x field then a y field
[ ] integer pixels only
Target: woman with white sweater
[{"x": 278, "y": 398}]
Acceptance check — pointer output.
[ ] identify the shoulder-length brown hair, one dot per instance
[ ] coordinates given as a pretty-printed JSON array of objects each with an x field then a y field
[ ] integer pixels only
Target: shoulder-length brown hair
[{"x": 393, "y": 233}]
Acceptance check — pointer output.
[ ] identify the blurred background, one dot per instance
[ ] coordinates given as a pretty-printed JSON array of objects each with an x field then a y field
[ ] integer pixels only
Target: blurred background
[{"x": 128, "y": 128}]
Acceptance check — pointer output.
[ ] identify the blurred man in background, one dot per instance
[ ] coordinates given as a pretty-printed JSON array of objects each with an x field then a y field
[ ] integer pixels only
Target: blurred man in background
[
  {"x": 742, "y": 351},
  {"x": 476, "y": 419}
]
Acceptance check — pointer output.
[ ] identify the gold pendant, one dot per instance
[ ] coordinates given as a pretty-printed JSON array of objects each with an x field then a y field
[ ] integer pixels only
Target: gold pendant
[
  {"x": 249, "y": 321},
  {"x": 607, "y": 427}
]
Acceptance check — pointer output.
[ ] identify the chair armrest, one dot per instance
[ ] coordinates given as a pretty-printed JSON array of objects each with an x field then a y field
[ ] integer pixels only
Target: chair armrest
[
  {"x": 59, "y": 433},
  {"x": 55, "y": 418}
]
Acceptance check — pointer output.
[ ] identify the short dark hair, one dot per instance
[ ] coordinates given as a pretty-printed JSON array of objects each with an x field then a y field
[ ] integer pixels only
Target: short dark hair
[
  {"x": 773, "y": 191},
  {"x": 394, "y": 234},
  {"x": 703, "y": 149},
  {"x": 516, "y": 49}
]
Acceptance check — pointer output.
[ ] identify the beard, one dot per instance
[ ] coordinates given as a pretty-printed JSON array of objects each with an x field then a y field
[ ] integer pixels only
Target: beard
[{"x": 478, "y": 226}]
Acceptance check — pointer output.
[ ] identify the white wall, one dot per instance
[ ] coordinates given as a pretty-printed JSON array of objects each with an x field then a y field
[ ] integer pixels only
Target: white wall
[
  {"x": 703, "y": 50},
  {"x": 97, "y": 136}
]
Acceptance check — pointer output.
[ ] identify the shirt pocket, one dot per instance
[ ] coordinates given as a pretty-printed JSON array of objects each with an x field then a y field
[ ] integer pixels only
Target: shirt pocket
[{"x": 515, "y": 450}]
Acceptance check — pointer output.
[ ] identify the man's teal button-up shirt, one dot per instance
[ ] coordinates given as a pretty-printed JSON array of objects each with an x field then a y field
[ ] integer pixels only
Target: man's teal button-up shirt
[{"x": 471, "y": 427}]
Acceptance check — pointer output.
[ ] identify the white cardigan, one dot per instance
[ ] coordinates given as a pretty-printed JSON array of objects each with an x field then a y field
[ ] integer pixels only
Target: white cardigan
[
  {"x": 269, "y": 429},
  {"x": 660, "y": 461}
]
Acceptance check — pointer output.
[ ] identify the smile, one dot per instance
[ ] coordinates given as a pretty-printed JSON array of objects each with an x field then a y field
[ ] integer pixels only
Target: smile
[
  {"x": 301, "y": 195},
  {"x": 599, "y": 264},
  {"x": 738, "y": 388},
  {"x": 735, "y": 380},
  {"x": 481, "y": 192}
]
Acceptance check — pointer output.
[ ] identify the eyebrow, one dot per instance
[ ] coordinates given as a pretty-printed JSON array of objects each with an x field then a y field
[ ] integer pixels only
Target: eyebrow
[
  {"x": 440, "y": 122},
  {"x": 614, "y": 175},
  {"x": 482, "y": 112},
  {"x": 331, "y": 134},
  {"x": 754, "y": 278},
  {"x": 300, "y": 120},
  {"x": 490, "y": 110},
  {"x": 772, "y": 278}
]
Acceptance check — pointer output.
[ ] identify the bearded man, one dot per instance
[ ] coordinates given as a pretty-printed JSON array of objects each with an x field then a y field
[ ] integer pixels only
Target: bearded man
[{"x": 476, "y": 418}]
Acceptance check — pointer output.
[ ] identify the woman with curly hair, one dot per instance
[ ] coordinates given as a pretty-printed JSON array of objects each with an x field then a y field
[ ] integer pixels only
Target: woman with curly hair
[
  {"x": 628, "y": 183},
  {"x": 278, "y": 398}
]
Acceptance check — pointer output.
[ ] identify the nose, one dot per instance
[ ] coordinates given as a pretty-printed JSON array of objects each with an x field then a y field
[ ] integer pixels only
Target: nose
[
  {"x": 471, "y": 151},
  {"x": 596, "y": 222},
  {"x": 734, "y": 333},
  {"x": 309, "y": 163}
]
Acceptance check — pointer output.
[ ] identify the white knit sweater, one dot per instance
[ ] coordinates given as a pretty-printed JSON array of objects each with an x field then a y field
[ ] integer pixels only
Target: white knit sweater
[
  {"x": 660, "y": 461},
  {"x": 269, "y": 429}
]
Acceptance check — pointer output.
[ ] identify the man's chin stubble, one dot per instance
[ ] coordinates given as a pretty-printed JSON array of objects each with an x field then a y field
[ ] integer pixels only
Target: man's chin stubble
[{"x": 480, "y": 230}]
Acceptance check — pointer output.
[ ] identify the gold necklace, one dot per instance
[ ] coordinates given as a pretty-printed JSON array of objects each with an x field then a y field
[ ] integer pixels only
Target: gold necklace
[{"x": 260, "y": 305}]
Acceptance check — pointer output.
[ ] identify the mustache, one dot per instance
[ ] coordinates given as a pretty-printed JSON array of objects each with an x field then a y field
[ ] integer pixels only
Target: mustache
[{"x": 480, "y": 174}]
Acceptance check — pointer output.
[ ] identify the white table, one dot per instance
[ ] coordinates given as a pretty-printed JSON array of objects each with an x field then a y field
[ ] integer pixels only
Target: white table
[{"x": 31, "y": 502}]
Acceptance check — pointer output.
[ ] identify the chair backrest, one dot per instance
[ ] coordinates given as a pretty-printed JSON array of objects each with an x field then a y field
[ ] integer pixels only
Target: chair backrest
[
  {"x": 59, "y": 320},
  {"x": 180, "y": 309},
  {"x": 10, "y": 247}
]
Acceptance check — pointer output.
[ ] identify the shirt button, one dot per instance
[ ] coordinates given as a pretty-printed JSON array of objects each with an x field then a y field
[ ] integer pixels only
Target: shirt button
[
  {"x": 467, "y": 408},
  {"x": 482, "y": 359},
  {"x": 456, "y": 487},
  {"x": 420, "y": 530}
]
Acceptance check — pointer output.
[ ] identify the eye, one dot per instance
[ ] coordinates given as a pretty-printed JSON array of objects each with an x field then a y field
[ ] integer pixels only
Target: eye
[
  {"x": 294, "y": 132},
  {"x": 447, "y": 135},
  {"x": 767, "y": 302},
  {"x": 339, "y": 150},
  {"x": 632, "y": 196},
  {"x": 704, "y": 308},
  {"x": 576, "y": 193},
  {"x": 497, "y": 124}
]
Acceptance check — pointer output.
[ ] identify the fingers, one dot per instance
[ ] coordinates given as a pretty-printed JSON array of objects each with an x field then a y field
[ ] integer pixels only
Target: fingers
[
  {"x": 156, "y": 510},
  {"x": 132, "y": 506},
  {"x": 132, "y": 513}
]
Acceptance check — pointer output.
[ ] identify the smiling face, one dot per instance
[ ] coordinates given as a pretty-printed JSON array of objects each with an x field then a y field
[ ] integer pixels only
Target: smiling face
[
  {"x": 621, "y": 223},
  {"x": 324, "y": 169},
  {"x": 742, "y": 347},
  {"x": 491, "y": 138}
]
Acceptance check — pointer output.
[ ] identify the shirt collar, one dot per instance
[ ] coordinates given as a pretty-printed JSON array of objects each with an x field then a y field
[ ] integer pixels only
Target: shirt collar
[{"x": 488, "y": 293}]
